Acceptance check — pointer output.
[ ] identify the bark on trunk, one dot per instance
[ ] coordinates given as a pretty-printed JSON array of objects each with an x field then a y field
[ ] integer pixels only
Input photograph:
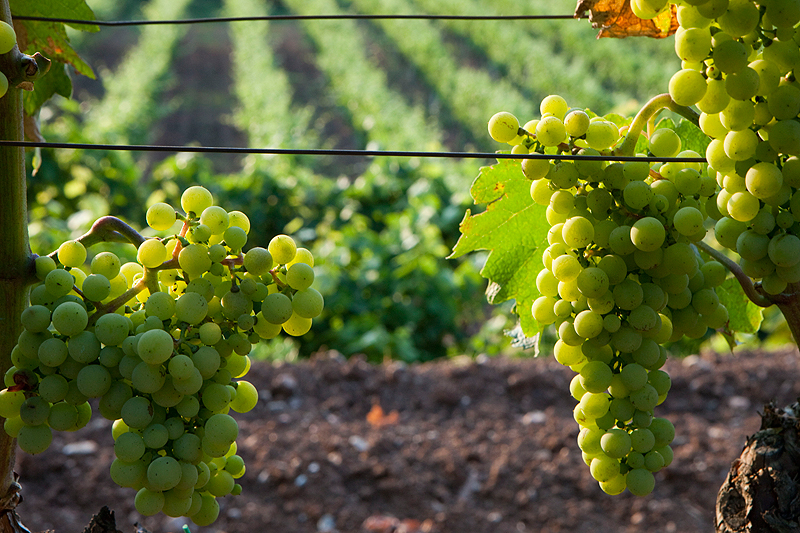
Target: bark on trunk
[{"x": 762, "y": 491}]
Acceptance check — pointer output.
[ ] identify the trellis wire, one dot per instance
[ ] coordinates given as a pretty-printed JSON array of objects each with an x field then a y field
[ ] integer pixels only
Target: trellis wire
[
  {"x": 355, "y": 16},
  {"x": 335, "y": 152}
]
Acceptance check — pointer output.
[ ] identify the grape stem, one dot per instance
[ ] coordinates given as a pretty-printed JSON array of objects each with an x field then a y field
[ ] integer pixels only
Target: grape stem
[
  {"x": 650, "y": 109},
  {"x": 108, "y": 229},
  {"x": 744, "y": 280}
]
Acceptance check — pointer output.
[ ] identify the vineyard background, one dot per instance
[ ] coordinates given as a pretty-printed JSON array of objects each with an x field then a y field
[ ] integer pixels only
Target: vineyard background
[
  {"x": 381, "y": 228},
  {"x": 384, "y": 226}
]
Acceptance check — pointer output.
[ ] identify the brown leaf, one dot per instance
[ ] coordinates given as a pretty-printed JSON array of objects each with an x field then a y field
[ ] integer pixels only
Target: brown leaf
[
  {"x": 614, "y": 18},
  {"x": 377, "y": 418}
]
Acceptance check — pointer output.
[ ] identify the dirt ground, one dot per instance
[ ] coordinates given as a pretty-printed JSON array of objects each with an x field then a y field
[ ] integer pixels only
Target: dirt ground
[{"x": 457, "y": 446}]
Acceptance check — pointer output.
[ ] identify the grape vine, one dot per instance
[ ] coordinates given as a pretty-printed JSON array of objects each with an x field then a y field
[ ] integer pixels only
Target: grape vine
[{"x": 625, "y": 263}]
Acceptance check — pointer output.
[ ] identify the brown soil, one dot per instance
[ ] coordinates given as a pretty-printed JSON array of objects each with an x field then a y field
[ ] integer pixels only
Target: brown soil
[{"x": 475, "y": 446}]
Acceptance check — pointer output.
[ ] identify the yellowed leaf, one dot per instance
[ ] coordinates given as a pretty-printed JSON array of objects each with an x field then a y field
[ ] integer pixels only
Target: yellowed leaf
[
  {"x": 614, "y": 18},
  {"x": 377, "y": 418}
]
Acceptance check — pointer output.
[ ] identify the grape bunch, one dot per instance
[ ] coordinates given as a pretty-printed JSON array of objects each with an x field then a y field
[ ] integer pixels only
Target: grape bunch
[
  {"x": 739, "y": 62},
  {"x": 622, "y": 276},
  {"x": 160, "y": 346}
]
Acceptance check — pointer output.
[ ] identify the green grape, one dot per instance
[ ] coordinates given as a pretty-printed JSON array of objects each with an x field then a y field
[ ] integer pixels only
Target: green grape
[
  {"x": 190, "y": 385},
  {"x": 34, "y": 439},
  {"x": 160, "y": 305},
  {"x": 642, "y": 440},
  {"x": 688, "y": 221},
  {"x": 151, "y": 253},
  {"x": 743, "y": 206},
  {"x": 180, "y": 366},
  {"x": 191, "y": 308},
  {"x": 129, "y": 447},
  {"x": 576, "y": 123},
  {"x": 616, "y": 443},
  {"x": 554, "y": 105},
  {"x": 53, "y": 352},
  {"x": 638, "y": 194},
  {"x": 70, "y": 318},
  {"x": 604, "y": 468},
  {"x": 34, "y": 411},
  {"x": 595, "y": 376},
  {"x": 764, "y": 180},
  {"x": 716, "y": 98},
  {"x": 93, "y": 381},
  {"x": 148, "y": 502},
  {"x": 209, "y": 511},
  {"x": 550, "y": 131},
  {"x": 602, "y": 134},
  {"x": 106, "y": 264},
  {"x": 59, "y": 282},
  {"x": 664, "y": 143},
  {"x": 215, "y": 397},
  {"x": 147, "y": 378},
  {"x": 277, "y": 308},
  {"x": 194, "y": 260},
  {"x": 111, "y": 402},
  {"x": 300, "y": 276},
  {"x": 155, "y": 346},
  {"x": 163, "y": 473},
  {"x": 566, "y": 268},
  {"x": 8, "y": 38},
  {"x": 648, "y": 234},
  {"x": 160, "y": 216},
  {"x": 730, "y": 56},
  {"x": 738, "y": 115},
  {"x": 155, "y": 436},
  {"x": 628, "y": 294},
  {"x": 740, "y": 19},
  {"x": 693, "y": 44},
  {"x": 188, "y": 407},
  {"x": 577, "y": 232},
  {"x": 11, "y": 401},
  {"x": 246, "y": 397},
  {"x": 35, "y": 318},
  {"x": 84, "y": 347},
  {"x": 62, "y": 417},
  {"x": 687, "y": 87},
  {"x": 187, "y": 448},
  {"x": 221, "y": 430},
  {"x": 784, "y": 250},
  {"x": 199, "y": 234},
  {"x": 644, "y": 399},
  {"x": 128, "y": 474},
  {"x": 297, "y": 325},
  {"x": 235, "y": 238},
  {"x": 640, "y": 481},
  {"x": 282, "y": 248},
  {"x": 503, "y": 127},
  {"x": 196, "y": 199},
  {"x": 137, "y": 412},
  {"x": 593, "y": 282},
  {"x": 176, "y": 503},
  {"x": 71, "y": 254},
  {"x": 235, "y": 304},
  {"x": 96, "y": 287}
]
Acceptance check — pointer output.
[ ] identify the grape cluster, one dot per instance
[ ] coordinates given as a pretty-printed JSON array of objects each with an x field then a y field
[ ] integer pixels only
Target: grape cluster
[
  {"x": 621, "y": 277},
  {"x": 739, "y": 63},
  {"x": 162, "y": 345}
]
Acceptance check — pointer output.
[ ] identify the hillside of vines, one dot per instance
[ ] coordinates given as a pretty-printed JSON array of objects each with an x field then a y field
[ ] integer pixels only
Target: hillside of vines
[{"x": 383, "y": 226}]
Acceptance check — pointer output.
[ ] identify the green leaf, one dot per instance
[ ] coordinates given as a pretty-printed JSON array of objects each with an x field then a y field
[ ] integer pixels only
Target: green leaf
[
  {"x": 50, "y": 38},
  {"x": 56, "y": 81},
  {"x": 744, "y": 315},
  {"x": 64, "y": 9},
  {"x": 692, "y": 137},
  {"x": 514, "y": 229}
]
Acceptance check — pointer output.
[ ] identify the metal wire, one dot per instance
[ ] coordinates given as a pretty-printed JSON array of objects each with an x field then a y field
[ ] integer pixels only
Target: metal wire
[
  {"x": 334, "y": 152},
  {"x": 291, "y": 17}
]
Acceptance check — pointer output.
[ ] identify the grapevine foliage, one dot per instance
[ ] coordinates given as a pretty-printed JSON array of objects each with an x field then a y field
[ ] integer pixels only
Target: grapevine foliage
[{"x": 622, "y": 260}]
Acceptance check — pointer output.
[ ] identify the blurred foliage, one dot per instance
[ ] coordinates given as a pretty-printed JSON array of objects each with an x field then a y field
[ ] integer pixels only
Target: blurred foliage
[{"x": 380, "y": 239}]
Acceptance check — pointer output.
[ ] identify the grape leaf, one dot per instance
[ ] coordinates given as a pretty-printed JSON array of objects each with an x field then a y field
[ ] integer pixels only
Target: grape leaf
[
  {"x": 50, "y": 39},
  {"x": 692, "y": 137},
  {"x": 514, "y": 229},
  {"x": 614, "y": 18},
  {"x": 744, "y": 315}
]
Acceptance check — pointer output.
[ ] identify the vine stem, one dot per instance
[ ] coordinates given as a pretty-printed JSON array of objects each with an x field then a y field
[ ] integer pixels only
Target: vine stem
[
  {"x": 650, "y": 109},
  {"x": 744, "y": 280},
  {"x": 108, "y": 229}
]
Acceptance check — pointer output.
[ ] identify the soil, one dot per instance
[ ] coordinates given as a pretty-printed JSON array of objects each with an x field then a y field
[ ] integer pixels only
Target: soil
[{"x": 473, "y": 446}]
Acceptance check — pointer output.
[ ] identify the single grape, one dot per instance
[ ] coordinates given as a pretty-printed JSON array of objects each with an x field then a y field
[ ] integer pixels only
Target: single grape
[{"x": 503, "y": 127}]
